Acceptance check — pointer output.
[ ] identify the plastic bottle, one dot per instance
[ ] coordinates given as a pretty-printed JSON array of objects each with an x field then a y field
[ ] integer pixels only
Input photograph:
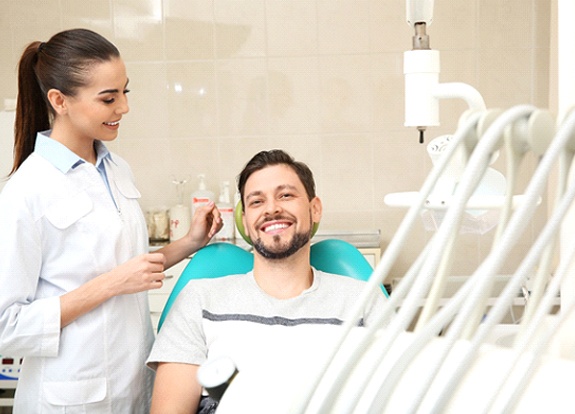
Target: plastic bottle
[
  {"x": 202, "y": 195},
  {"x": 227, "y": 232}
]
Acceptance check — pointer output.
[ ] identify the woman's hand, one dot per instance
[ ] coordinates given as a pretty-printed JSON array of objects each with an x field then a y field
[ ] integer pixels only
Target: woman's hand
[
  {"x": 140, "y": 273},
  {"x": 206, "y": 222}
]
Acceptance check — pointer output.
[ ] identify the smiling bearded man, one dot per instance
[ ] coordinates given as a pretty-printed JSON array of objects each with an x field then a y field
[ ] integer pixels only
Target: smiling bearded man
[{"x": 240, "y": 316}]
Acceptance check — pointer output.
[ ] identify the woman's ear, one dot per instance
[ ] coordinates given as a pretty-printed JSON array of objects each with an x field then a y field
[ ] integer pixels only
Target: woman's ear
[{"x": 58, "y": 101}]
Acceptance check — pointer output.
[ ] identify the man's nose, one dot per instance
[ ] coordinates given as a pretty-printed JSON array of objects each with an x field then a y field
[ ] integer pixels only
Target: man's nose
[{"x": 272, "y": 207}]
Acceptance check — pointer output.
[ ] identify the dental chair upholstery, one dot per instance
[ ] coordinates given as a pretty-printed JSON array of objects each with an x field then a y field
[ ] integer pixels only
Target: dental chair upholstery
[{"x": 222, "y": 259}]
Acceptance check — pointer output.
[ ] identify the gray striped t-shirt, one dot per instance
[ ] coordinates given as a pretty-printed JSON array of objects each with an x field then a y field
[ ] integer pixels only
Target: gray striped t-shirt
[{"x": 232, "y": 316}]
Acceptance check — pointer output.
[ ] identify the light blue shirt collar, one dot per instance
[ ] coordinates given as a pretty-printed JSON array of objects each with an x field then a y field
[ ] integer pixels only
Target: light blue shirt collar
[{"x": 62, "y": 157}]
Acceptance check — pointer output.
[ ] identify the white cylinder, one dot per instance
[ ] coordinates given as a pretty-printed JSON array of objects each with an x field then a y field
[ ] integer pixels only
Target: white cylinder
[
  {"x": 179, "y": 221},
  {"x": 421, "y": 70}
]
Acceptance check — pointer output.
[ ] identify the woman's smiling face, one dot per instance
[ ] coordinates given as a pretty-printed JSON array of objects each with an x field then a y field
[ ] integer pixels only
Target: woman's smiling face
[{"x": 95, "y": 111}]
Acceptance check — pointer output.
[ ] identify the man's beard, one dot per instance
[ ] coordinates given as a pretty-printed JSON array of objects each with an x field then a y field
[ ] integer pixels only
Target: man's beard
[{"x": 297, "y": 242}]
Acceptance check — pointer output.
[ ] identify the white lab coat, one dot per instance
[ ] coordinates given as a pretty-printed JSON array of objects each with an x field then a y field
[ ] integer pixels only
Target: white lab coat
[{"x": 59, "y": 230}]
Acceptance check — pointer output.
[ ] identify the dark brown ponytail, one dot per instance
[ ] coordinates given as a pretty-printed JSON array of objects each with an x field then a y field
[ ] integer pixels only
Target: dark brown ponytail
[
  {"x": 31, "y": 109},
  {"x": 62, "y": 63}
]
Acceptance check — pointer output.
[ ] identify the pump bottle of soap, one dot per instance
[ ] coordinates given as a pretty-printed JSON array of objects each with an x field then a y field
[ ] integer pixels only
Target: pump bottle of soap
[
  {"x": 202, "y": 195},
  {"x": 227, "y": 232}
]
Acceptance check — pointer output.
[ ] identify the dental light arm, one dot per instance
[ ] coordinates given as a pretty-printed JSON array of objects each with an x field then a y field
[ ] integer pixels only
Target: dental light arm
[
  {"x": 419, "y": 11},
  {"x": 421, "y": 69}
]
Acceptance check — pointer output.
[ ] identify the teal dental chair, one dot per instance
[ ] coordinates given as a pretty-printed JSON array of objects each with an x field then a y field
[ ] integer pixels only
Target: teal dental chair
[{"x": 222, "y": 259}]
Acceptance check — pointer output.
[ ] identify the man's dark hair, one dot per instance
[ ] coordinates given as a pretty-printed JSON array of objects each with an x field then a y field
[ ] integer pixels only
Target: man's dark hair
[{"x": 265, "y": 159}]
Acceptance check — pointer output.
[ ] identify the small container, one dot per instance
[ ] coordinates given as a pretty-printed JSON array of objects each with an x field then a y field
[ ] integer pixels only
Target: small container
[
  {"x": 179, "y": 221},
  {"x": 180, "y": 217},
  {"x": 158, "y": 221}
]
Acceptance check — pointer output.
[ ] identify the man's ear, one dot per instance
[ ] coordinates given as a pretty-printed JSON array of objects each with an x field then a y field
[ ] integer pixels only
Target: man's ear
[
  {"x": 316, "y": 209},
  {"x": 58, "y": 101}
]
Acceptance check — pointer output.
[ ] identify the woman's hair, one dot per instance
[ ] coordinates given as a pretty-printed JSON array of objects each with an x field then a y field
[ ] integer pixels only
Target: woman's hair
[
  {"x": 265, "y": 159},
  {"x": 61, "y": 63}
]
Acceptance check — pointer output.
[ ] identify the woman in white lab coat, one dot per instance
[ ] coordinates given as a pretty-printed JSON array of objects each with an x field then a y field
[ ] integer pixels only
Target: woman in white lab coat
[{"x": 74, "y": 267}]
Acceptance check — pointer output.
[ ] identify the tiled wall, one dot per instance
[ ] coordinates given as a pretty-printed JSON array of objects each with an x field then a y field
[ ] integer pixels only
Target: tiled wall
[{"x": 214, "y": 81}]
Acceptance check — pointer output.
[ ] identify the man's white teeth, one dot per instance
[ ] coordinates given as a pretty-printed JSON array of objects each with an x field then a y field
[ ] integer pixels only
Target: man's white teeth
[
  {"x": 112, "y": 123},
  {"x": 274, "y": 227}
]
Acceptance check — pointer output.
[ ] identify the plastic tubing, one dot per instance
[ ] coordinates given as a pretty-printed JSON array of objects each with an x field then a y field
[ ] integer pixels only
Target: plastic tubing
[
  {"x": 545, "y": 265},
  {"x": 527, "y": 337},
  {"x": 334, "y": 382},
  {"x": 477, "y": 162},
  {"x": 536, "y": 343},
  {"x": 517, "y": 223},
  {"x": 512, "y": 163},
  {"x": 460, "y": 90},
  {"x": 432, "y": 303},
  {"x": 513, "y": 160},
  {"x": 416, "y": 289}
]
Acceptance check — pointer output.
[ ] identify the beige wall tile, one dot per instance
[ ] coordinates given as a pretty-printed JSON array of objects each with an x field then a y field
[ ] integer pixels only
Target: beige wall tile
[
  {"x": 506, "y": 76},
  {"x": 189, "y": 29},
  {"x": 32, "y": 20},
  {"x": 139, "y": 29},
  {"x": 191, "y": 99},
  {"x": 502, "y": 24},
  {"x": 454, "y": 26},
  {"x": 345, "y": 93},
  {"x": 343, "y": 26},
  {"x": 189, "y": 39},
  {"x": 387, "y": 91},
  {"x": 291, "y": 28},
  {"x": 347, "y": 171},
  {"x": 240, "y": 28},
  {"x": 242, "y": 92},
  {"x": 389, "y": 30},
  {"x": 94, "y": 15},
  {"x": 293, "y": 95},
  {"x": 148, "y": 119}
]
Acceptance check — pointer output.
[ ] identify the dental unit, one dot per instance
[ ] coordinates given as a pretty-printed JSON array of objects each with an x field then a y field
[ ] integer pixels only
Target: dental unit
[{"x": 451, "y": 362}]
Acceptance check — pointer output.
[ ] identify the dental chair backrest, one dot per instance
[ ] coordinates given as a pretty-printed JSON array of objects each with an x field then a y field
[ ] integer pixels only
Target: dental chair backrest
[{"x": 222, "y": 259}]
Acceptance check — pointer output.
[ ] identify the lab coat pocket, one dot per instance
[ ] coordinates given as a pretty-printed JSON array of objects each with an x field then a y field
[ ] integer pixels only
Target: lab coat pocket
[
  {"x": 64, "y": 393},
  {"x": 67, "y": 212}
]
